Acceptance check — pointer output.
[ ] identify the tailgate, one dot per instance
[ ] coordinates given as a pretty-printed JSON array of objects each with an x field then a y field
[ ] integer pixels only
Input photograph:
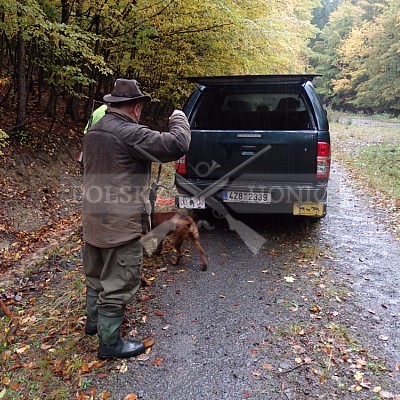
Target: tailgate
[{"x": 291, "y": 155}]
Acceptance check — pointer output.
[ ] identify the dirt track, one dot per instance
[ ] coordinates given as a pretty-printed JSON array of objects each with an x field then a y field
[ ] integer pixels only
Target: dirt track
[{"x": 300, "y": 319}]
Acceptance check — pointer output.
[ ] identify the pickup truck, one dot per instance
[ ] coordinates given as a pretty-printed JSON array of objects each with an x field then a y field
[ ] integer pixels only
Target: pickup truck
[{"x": 260, "y": 144}]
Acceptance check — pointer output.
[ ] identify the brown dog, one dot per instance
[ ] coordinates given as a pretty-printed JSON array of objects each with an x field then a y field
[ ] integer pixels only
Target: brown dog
[{"x": 182, "y": 227}]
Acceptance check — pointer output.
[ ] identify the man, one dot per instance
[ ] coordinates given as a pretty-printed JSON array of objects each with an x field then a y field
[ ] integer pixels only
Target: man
[
  {"x": 97, "y": 114},
  {"x": 117, "y": 153}
]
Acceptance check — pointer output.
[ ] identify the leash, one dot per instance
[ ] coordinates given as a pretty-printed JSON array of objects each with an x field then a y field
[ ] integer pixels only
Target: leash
[
  {"x": 154, "y": 189},
  {"x": 158, "y": 174}
]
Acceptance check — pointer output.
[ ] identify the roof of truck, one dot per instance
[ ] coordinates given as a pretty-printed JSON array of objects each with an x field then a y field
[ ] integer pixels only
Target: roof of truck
[{"x": 250, "y": 79}]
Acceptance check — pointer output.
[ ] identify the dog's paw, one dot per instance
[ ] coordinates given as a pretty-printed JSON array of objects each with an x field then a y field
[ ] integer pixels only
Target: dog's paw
[{"x": 203, "y": 267}]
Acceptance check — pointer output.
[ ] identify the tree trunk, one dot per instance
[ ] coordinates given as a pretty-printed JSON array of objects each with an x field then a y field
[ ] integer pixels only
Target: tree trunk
[
  {"x": 73, "y": 105},
  {"x": 52, "y": 103},
  {"x": 2, "y": 46},
  {"x": 21, "y": 81}
]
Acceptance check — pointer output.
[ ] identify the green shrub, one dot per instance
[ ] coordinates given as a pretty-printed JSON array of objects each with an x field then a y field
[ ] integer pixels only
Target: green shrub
[{"x": 3, "y": 140}]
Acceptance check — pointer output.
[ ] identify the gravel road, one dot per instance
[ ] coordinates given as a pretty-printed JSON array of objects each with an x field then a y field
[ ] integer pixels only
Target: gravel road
[{"x": 317, "y": 305}]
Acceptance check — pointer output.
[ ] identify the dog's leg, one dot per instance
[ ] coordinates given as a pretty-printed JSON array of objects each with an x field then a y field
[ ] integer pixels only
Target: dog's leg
[
  {"x": 200, "y": 249},
  {"x": 178, "y": 239},
  {"x": 195, "y": 236},
  {"x": 158, "y": 249}
]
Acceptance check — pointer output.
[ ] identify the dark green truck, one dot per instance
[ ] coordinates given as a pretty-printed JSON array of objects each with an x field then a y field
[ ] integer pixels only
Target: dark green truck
[{"x": 260, "y": 144}]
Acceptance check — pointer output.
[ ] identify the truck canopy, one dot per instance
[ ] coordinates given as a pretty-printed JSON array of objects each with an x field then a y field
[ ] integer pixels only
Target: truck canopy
[{"x": 250, "y": 79}]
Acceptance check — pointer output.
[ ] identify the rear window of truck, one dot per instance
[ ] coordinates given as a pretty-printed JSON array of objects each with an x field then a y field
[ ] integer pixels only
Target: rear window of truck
[{"x": 252, "y": 111}]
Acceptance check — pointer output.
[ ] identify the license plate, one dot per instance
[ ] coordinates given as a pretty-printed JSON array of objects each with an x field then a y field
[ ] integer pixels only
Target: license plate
[
  {"x": 308, "y": 208},
  {"x": 191, "y": 202},
  {"x": 229, "y": 196}
]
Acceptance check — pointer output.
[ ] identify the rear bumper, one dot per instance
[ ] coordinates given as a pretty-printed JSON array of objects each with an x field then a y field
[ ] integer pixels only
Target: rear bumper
[{"x": 283, "y": 195}]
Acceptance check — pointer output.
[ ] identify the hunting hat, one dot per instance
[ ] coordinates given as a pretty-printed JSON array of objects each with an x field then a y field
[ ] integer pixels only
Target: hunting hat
[{"x": 125, "y": 90}]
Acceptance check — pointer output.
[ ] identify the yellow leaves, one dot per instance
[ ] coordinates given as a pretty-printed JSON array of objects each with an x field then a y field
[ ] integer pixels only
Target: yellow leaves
[
  {"x": 363, "y": 383},
  {"x": 6, "y": 381},
  {"x": 22, "y": 349},
  {"x": 124, "y": 368},
  {"x": 358, "y": 376}
]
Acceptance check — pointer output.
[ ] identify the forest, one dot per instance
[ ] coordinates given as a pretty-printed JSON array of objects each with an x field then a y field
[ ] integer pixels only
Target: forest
[{"x": 58, "y": 57}]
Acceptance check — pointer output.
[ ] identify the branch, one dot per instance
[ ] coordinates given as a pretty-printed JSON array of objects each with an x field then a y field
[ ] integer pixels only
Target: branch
[
  {"x": 291, "y": 369},
  {"x": 16, "y": 127},
  {"x": 14, "y": 322}
]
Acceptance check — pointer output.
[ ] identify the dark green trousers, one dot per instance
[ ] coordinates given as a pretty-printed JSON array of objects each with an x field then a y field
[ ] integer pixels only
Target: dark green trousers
[{"x": 113, "y": 273}]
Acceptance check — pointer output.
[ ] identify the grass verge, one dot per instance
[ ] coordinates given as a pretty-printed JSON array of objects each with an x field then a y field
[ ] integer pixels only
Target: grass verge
[{"x": 369, "y": 148}]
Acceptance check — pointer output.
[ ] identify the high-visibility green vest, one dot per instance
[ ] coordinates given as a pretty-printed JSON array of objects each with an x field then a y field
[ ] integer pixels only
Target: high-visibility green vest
[{"x": 97, "y": 114}]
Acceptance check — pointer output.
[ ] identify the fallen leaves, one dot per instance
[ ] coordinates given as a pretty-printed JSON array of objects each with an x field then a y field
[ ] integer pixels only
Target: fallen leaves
[
  {"x": 318, "y": 350},
  {"x": 267, "y": 366},
  {"x": 123, "y": 368},
  {"x": 157, "y": 361},
  {"x": 148, "y": 342},
  {"x": 14, "y": 322},
  {"x": 131, "y": 396},
  {"x": 315, "y": 309},
  {"x": 159, "y": 313},
  {"x": 289, "y": 279}
]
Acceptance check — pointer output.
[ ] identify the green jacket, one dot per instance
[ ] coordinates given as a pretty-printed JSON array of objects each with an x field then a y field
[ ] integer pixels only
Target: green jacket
[{"x": 117, "y": 158}]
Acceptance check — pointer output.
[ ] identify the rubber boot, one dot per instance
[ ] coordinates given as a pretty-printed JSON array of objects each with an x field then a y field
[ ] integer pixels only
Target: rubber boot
[
  {"x": 110, "y": 342},
  {"x": 91, "y": 312}
]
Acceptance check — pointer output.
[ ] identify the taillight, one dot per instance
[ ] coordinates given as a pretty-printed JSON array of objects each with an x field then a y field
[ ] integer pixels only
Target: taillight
[
  {"x": 180, "y": 166},
  {"x": 323, "y": 160}
]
